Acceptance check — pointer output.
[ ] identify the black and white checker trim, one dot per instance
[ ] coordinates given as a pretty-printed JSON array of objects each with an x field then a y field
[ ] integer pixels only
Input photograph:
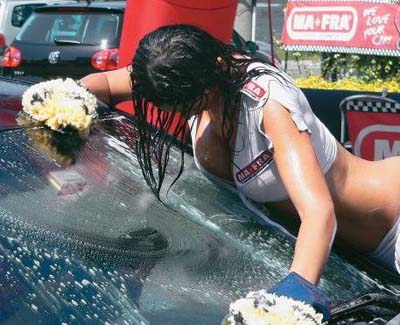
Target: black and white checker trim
[
  {"x": 341, "y": 49},
  {"x": 371, "y": 104},
  {"x": 364, "y": 103},
  {"x": 371, "y": 1}
]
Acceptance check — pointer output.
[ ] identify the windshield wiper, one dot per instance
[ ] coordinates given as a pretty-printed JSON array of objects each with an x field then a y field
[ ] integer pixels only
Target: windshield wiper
[
  {"x": 66, "y": 41},
  {"x": 69, "y": 42}
]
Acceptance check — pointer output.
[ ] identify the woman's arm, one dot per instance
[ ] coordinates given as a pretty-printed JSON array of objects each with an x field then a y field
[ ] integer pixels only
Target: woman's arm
[
  {"x": 111, "y": 87},
  {"x": 305, "y": 183}
]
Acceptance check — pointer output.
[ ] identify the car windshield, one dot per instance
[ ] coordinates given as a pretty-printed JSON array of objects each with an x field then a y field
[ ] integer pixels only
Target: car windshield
[{"x": 49, "y": 28}]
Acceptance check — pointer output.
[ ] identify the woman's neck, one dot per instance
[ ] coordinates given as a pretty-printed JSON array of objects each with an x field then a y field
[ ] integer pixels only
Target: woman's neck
[{"x": 216, "y": 109}]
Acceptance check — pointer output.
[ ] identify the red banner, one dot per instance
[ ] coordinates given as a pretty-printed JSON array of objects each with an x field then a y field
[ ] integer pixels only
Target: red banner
[
  {"x": 374, "y": 135},
  {"x": 364, "y": 27}
]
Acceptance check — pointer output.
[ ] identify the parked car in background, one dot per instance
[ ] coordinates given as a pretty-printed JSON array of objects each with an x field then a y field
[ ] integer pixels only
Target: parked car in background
[
  {"x": 75, "y": 39},
  {"x": 66, "y": 40},
  {"x": 13, "y": 14}
]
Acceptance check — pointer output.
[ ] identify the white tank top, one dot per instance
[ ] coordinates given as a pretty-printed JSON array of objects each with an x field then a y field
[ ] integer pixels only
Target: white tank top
[{"x": 254, "y": 169}]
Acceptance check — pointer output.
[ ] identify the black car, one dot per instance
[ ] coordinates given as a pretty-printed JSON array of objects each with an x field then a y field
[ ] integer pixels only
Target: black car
[
  {"x": 66, "y": 40},
  {"x": 73, "y": 40},
  {"x": 84, "y": 241}
]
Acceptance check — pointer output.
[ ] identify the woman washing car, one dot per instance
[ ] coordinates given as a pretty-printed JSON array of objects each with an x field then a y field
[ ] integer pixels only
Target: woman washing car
[{"x": 254, "y": 129}]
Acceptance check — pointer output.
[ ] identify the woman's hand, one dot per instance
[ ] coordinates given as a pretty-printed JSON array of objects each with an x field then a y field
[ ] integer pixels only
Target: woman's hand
[
  {"x": 305, "y": 183},
  {"x": 296, "y": 287}
]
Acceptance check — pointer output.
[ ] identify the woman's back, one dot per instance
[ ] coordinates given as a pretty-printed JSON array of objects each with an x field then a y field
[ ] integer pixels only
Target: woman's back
[
  {"x": 362, "y": 194},
  {"x": 366, "y": 197}
]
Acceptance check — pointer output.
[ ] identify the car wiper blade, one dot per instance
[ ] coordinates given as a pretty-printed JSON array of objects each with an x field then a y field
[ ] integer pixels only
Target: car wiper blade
[
  {"x": 70, "y": 42},
  {"x": 66, "y": 41}
]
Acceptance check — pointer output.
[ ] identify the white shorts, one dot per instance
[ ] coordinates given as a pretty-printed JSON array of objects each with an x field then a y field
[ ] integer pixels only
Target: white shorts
[{"x": 387, "y": 253}]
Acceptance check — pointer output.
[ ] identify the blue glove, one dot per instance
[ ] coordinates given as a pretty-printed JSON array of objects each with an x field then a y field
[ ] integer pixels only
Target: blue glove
[{"x": 296, "y": 287}]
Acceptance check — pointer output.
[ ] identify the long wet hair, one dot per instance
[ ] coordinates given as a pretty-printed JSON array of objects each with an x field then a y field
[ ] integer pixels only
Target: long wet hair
[{"x": 174, "y": 66}]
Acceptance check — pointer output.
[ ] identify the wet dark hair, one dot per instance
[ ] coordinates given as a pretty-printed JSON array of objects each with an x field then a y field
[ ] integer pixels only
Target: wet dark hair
[{"x": 174, "y": 66}]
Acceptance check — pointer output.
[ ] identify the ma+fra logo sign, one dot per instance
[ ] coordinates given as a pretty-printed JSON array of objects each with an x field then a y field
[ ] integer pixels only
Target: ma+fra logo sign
[{"x": 322, "y": 23}]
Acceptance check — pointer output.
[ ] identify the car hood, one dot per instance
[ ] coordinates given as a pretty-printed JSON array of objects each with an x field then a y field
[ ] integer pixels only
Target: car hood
[
  {"x": 83, "y": 239},
  {"x": 10, "y": 102}
]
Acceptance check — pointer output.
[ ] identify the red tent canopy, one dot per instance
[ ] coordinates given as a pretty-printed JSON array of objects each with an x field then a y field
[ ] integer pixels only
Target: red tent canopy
[
  {"x": 144, "y": 16},
  {"x": 354, "y": 26}
]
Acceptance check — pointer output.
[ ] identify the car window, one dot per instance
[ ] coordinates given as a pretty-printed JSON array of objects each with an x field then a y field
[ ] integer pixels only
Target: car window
[
  {"x": 83, "y": 28},
  {"x": 67, "y": 27},
  {"x": 21, "y": 13}
]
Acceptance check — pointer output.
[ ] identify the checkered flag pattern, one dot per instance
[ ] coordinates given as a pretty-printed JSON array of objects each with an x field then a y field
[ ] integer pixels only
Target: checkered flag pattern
[
  {"x": 364, "y": 103},
  {"x": 371, "y": 1},
  {"x": 341, "y": 49},
  {"x": 375, "y": 104}
]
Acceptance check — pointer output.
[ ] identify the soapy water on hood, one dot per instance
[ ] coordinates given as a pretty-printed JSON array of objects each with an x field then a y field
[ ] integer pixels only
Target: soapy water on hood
[{"x": 112, "y": 253}]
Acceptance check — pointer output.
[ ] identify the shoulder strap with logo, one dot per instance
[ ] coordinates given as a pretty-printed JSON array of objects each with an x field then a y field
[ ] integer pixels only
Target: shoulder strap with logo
[{"x": 255, "y": 90}]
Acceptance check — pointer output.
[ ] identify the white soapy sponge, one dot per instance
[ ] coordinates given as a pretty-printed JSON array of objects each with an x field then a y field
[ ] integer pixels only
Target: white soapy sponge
[
  {"x": 60, "y": 104},
  {"x": 263, "y": 308}
]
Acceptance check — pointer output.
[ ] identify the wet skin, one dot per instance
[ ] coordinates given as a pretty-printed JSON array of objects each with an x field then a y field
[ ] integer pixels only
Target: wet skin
[
  {"x": 366, "y": 194},
  {"x": 363, "y": 196}
]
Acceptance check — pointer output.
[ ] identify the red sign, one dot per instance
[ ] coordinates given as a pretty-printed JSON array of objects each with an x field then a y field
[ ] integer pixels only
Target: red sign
[
  {"x": 374, "y": 136},
  {"x": 363, "y": 26}
]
